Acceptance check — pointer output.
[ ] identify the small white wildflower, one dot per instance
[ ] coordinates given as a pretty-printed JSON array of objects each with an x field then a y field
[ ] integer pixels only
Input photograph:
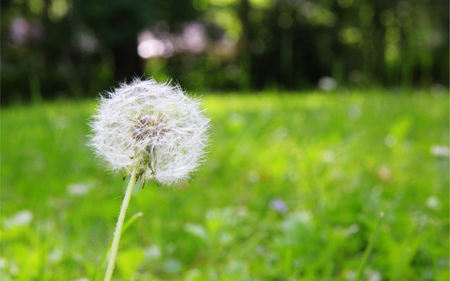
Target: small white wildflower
[
  {"x": 19, "y": 219},
  {"x": 77, "y": 189},
  {"x": 296, "y": 219},
  {"x": 354, "y": 112},
  {"x": 328, "y": 156},
  {"x": 197, "y": 230},
  {"x": 373, "y": 275},
  {"x": 172, "y": 266},
  {"x": 421, "y": 220},
  {"x": 432, "y": 202},
  {"x": 352, "y": 229},
  {"x": 327, "y": 83},
  {"x": 440, "y": 151},
  {"x": 13, "y": 268},
  {"x": 152, "y": 128},
  {"x": 303, "y": 216},
  {"x": 55, "y": 255},
  {"x": 3, "y": 262},
  {"x": 350, "y": 275},
  {"x": 152, "y": 252},
  {"x": 281, "y": 133},
  {"x": 390, "y": 141}
]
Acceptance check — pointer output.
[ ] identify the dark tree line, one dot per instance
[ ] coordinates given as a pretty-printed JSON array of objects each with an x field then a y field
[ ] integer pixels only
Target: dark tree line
[{"x": 56, "y": 48}]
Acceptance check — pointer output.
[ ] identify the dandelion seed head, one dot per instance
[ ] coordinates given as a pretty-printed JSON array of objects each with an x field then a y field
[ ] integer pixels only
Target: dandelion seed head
[{"x": 150, "y": 127}]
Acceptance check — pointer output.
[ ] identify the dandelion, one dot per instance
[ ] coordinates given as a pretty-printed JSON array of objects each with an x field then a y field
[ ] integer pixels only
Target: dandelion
[
  {"x": 151, "y": 131},
  {"x": 152, "y": 128}
]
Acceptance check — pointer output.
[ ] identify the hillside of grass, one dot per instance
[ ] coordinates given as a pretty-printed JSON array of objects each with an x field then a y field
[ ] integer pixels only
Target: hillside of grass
[{"x": 291, "y": 190}]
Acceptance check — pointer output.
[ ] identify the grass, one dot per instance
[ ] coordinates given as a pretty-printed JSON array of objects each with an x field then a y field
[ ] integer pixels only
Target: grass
[{"x": 336, "y": 161}]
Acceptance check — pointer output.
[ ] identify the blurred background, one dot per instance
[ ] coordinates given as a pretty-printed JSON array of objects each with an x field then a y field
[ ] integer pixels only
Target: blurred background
[
  {"x": 53, "y": 48},
  {"x": 324, "y": 114}
]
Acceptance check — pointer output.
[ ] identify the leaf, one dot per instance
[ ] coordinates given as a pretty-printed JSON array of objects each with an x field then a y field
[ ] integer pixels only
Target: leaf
[{"x": 128, "y": 261}]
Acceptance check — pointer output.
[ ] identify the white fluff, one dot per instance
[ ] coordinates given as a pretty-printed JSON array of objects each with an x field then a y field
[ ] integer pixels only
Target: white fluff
[{"x": 152, "y": 128}]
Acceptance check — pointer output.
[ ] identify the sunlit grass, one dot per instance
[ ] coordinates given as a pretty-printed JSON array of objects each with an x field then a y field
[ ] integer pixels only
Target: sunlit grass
[{"x": 335, "y": 160}]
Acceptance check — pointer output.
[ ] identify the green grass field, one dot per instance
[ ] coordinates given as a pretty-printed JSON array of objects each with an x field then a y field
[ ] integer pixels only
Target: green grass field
[{"x": 335, "y": 161}]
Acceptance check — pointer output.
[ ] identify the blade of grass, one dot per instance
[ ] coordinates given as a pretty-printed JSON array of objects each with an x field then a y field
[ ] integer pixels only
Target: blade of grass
[
  {"x": 128, "y": 223},
  {"x": 369, "y": 248},
  {"x": 131, "y": 220}
]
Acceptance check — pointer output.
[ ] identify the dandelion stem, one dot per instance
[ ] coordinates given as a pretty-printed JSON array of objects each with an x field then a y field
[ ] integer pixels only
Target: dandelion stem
[
  {"x": 119, "y": 225},
  {"x": 369, "y": 248}
]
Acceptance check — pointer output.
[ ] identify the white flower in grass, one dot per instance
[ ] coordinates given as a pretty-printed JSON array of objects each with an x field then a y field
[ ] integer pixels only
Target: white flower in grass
[
  {"x": 152, "y": 128},
  {"x": 77, "y": 189},
  {"x": 21, "y": 218}
]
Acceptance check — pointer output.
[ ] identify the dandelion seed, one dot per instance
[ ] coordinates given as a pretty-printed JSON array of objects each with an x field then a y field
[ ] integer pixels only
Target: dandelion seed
[{"x": 154, "y": 128}]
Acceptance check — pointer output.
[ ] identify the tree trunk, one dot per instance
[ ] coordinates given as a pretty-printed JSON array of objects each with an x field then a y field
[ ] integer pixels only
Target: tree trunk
[{"x": 127, "y": 63}]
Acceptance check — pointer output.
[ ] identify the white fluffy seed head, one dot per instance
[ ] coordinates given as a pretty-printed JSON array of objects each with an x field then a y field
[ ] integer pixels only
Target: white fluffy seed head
[{"x": 152, "y": 128}]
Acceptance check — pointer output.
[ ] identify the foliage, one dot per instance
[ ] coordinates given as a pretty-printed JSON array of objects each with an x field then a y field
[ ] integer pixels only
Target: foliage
[
  {"x": 336, "y": 160},
  {"x": 77, "y": 47}
]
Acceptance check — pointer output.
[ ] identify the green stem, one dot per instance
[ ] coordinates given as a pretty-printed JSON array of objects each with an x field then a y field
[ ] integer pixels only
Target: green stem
[
  {"x": 369, "y": 249},
  {"x": 119, "y": 225}
]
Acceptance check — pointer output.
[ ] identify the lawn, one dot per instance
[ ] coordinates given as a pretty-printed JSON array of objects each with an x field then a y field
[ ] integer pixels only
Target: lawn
[{"x": 291, "y": 190}]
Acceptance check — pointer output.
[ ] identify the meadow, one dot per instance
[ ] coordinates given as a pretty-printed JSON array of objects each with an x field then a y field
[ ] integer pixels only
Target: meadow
[{"x": 291, "y": 189}]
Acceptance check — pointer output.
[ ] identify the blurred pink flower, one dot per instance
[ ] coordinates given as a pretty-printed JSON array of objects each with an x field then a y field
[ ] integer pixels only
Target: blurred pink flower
[
  {"x": 19, "y": 31},
  {"x": 163, "y": 44}
]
